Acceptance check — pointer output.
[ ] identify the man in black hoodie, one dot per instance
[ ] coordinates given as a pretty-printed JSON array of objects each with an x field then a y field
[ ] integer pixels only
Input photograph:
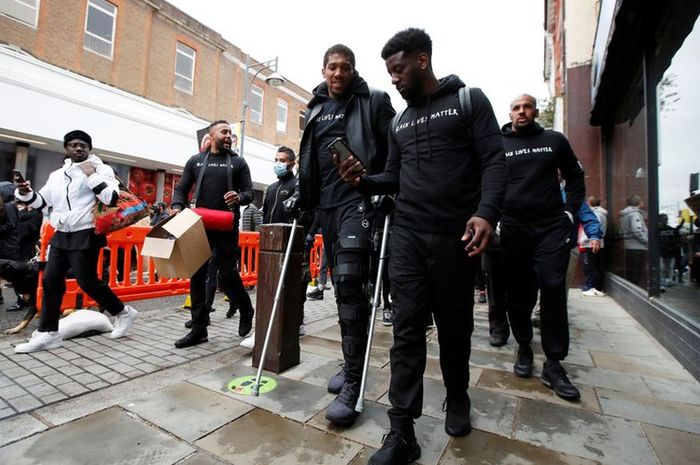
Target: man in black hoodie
[
  {"x": 282, "y": 189},
  {"x": 343, "y": 106},
  {"x": 535, "y": 231},
  {"x": 450, "y": 177}
]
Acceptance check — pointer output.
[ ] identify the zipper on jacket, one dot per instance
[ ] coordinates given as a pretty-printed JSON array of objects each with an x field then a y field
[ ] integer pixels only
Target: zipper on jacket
[
  {"x": 274, "y": 205},
  {"x": 70, "y": 180}
]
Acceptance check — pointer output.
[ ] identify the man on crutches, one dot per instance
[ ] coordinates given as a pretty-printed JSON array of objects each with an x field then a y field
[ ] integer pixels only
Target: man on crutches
[
  {"x": 344, "y": 108},
  {"x": 446, "y": 163}
]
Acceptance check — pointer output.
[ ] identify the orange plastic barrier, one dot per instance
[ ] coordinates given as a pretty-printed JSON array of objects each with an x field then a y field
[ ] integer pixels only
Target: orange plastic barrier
[
  {"x": 315, "y": 256},
  {"x": 139, "y": 280}
]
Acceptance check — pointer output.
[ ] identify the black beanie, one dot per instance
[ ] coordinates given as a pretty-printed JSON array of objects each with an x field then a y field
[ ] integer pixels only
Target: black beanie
[{"x": 77, "y": 134}]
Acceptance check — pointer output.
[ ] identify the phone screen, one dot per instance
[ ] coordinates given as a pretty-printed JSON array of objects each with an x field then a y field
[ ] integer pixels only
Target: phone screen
[
  {"x": 17, "y": 176},
  {"x": 339, "y": 148}
]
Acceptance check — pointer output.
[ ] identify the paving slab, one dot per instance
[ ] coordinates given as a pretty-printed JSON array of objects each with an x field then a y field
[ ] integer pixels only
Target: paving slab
[
  {"x": 677, "y": 415},
  {"x": 261, "y": 437},
  {"x": 19, "y": 427},
  {"x": 377, "y": 381},
  {"x": 609, "y": 379},
  {"x": 688, "y": 392},
  {"x": 481, "y": 448},
  {"x": 201, "y": 458},
  {"x": 578, "y": 432},
  {"x": 120, "y": 439},
  {"x": 433, "y": 370},
  {"x": 174, "y": 408},
  {"x": 291, "y": 399},
  {"x": 673, "y": 447},
  {"x": 658, "y": 367},
  {"x": 532, "y": 388}
]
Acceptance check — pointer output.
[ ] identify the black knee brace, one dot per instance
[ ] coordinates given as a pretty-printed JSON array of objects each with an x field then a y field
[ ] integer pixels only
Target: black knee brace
[{"x": 350, "y": 272}]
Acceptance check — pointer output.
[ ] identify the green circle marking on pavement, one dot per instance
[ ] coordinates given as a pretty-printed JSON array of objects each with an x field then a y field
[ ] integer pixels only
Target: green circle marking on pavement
[{"x": 244, "y": 385}]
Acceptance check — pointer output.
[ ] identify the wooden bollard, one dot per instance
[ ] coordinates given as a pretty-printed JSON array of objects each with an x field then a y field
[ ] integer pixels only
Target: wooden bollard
[{"x": 283, "y": 348}]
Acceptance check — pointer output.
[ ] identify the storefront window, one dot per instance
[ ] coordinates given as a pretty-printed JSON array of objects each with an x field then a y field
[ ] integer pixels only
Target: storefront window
[
  {"x": 627, "y": 234},
  {"x": 678, "y": 231}
]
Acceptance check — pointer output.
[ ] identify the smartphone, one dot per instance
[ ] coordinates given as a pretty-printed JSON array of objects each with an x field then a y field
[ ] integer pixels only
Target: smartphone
[
  {"x": 340, "y": 148},
  {"x": 17, "y": 177}
]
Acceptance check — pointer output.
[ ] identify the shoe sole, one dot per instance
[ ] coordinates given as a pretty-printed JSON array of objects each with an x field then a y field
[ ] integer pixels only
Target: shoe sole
[
  {"x": 201, "y": 341},
  {"x": 460, "y": 434},
  {"x": 344, "y": 423},
  {"x": 527, "y": 374},
  {"x": 387, "y": 323},
  {"x": 499, "y": 343}
]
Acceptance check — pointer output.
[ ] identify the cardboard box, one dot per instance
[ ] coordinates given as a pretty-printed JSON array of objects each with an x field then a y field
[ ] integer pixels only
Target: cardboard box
[{"x": 178, "y": 245}]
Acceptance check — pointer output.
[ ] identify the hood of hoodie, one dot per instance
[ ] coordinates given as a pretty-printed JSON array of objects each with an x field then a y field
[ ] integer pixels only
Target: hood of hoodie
[
  {"x": 7, "y": 191},
  {"x": 358, "y": 86},
  {"x": 534, "y": 128},
  {"x": 629, "y": 210},
  {"x": 69, "y": 165},
  {"x": 448, "y": 84}
]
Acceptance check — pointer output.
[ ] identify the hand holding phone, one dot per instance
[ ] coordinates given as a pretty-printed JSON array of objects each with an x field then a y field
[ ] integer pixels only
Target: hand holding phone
[
  {"x": 349, "y": 172},
  {"x": 23, "y": 186},
  {"x": 17, "y": 177}
]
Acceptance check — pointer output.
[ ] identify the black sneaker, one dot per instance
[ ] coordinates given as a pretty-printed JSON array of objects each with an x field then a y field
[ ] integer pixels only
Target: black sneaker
[
  {"x": 341, "y": 412},
  {"x": 387, "y": 316},
  {"x": 397, "y": 449},
  {"x": 498, "y": 338},
  {"x": 335, "y": 384},
  {"x": 554, "y": 377},
  {"x": 316, "y": 294},
  {"x": 457, "y": 422},
  {"x": 523, "y": 365},
  {"x": 231, "y": 311},
  {"x": 246, "y": 323},
  {"x": 192, "y": 339}
]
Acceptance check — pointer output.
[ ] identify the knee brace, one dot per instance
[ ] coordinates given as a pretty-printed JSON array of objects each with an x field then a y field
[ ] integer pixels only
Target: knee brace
[{"x": 350, "y": 272}]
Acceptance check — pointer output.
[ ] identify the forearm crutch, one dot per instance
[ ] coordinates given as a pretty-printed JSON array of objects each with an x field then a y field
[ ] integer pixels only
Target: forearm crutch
[
  {"x": 280, "y": 283},
  {"x": 360, "y": 406}
]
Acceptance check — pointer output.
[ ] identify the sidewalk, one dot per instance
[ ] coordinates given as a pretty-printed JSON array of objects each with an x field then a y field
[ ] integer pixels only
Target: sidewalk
[{"x": 140, "y": 400}]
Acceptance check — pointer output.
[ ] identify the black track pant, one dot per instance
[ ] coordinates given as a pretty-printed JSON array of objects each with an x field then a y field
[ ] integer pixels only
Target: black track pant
[
  {"x": 496, "y": 286},
  {"x": 430, "y": 273},
  {"x": 84, "y": 266},
  {"x": 536, "y": 257},
  {"x": 348, "y": 240},
  {"x": 224, "y": 246}
]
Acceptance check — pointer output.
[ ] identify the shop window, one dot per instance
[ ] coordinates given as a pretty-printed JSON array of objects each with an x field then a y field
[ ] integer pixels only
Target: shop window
[
  {"x": 25, "y": 11},
  {"x": 184, "y": 67},
  {"x": 256, "y": 104},
  {"x": 281, "y": 115},
  {"x": 100, "y": 23}
]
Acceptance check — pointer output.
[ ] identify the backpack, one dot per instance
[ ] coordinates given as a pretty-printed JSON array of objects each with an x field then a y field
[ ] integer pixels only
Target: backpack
[{"x": 465, "y": 101}]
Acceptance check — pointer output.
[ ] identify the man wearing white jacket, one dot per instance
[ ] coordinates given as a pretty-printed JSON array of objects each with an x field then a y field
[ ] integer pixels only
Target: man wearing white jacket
[{"x": 71, "y": 192}]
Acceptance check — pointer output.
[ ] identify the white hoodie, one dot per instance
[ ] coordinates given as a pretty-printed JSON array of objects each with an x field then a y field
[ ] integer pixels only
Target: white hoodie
[{"x": 71, "y": 194}]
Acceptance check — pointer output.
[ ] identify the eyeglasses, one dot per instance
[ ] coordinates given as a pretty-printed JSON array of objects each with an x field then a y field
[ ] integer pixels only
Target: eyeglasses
[{"x": 76, "y": 145}]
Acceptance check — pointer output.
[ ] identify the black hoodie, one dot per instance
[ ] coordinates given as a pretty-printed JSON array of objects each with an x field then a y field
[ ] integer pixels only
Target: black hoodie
[
  {"x": 533, "y": 156},
  {"x": 444, "y": 176}
]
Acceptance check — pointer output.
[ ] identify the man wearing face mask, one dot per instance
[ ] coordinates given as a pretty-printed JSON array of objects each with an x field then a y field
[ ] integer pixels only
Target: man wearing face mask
[
  {"x": 71, "y": 192},
  {"x": 282, "y": 189}
]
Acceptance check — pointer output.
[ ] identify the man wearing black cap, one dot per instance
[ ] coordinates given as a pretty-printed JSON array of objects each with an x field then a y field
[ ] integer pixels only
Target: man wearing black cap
[{"x": 71, "y": 192}]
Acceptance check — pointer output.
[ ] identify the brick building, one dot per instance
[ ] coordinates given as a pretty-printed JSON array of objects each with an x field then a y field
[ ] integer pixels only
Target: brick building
[{"x": 141, "y": 77}]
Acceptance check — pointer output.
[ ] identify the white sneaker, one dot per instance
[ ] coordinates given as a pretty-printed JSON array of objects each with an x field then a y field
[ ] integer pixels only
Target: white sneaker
[
  {"x": 249, "y": 342},
  {"x": 123, "y": 321},
  {"x": 589, "y": 293},
  {"x": 598, "y": 293},
  {"x": 302, "y": 330},
  {"x": 40, "y": 341}
]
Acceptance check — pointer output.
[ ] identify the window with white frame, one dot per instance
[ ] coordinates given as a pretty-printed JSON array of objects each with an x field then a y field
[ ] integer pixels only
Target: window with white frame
[
  {"x": 184, "y": 67},
  {"x": 281, "y": 115},
  {"x": 302, "y": 121},
  {"x": 100, "y": 23},
  {"x": 25, "y": 11},
  {"x": 256, "y": 104}
]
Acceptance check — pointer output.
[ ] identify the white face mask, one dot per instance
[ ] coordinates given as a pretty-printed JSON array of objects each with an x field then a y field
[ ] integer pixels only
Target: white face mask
[{"x": 280, "y": 168}]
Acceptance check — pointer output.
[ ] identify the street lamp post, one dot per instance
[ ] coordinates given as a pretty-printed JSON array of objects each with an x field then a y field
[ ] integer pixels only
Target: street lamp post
[{"x": 273, "y": 79}]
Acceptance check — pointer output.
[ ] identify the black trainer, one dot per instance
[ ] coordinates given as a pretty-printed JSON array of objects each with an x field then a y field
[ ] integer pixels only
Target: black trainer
[
  {"x": 498, "y": 338},
  {"x": 457, "y": 422},
  {"x": 398, "y": 448},
  {"x": 316, "y": 294},
  {"x": 554, "y": 377},
  {"x": 192, "y": 339},
  {"x": 387, "y": 315},
  {"x": 246, "y": 323},
  {"x": 335, "y": 384},
  {"x": 523, "y": 365},
  {"x": 341, "y": 411},
  {"x": 231, "y": 311}
]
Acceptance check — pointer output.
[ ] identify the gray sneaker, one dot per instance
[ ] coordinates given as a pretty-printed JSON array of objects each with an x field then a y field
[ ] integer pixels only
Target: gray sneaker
[{"x": 335, "y": 384}]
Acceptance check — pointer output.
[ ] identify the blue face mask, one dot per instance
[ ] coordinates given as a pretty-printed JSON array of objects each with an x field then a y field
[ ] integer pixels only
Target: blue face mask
[{"x": 280, "y": 169}]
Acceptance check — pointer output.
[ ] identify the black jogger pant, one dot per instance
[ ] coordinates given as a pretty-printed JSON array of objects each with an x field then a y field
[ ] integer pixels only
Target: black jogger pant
[
  {"x": 84, "y": 266},
  {"x": 536, "y": 257},
  {"x": 224, "y": 246},
  {"x": 430, "y": 273}
]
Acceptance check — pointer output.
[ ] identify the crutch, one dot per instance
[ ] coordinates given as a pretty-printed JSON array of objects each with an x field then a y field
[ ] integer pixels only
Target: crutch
[
  {"x": 360, "y": 406},
  {"x": 280, "y": 283}
]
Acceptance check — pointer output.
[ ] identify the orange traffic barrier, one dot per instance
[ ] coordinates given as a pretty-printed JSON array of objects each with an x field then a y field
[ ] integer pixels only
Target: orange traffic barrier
[{"x": 134, "y": 277}]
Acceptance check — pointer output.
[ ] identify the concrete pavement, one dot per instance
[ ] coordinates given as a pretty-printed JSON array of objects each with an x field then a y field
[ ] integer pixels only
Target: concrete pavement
[{"x": 140, "y": 400}]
